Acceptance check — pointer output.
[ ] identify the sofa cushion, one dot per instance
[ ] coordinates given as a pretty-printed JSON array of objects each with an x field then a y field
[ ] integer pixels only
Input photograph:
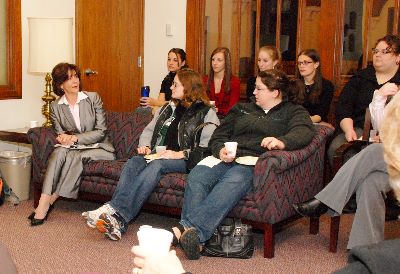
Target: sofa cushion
[
  {"x": 124, "y": 129},
  {"x": 104, "y": 168}
]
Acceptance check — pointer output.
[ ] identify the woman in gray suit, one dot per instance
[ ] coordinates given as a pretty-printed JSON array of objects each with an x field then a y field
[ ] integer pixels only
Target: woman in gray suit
[{"x": 78, "y": 118}]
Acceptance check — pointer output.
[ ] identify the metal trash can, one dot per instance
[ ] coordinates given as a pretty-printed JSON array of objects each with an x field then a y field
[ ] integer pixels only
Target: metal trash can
[{"x": 15, "y": 167}]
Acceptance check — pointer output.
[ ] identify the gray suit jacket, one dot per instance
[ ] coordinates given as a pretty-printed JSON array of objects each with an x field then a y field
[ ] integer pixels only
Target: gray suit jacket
[{"x": 93, "y": 121}]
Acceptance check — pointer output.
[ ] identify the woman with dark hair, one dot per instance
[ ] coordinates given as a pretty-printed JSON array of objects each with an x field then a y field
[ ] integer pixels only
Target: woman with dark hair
[
  {"x": 381, "y": 78},
  {"x": 78, "y": 119},
  {"x": 315, "y": 92},
  {"x": 269, "y": 57},
  {"x": 212, "y": 190},
  {"x": 222, "y": 87},
  {"x": 176, "y": 61},
  {"x": 174, "y": 126}
]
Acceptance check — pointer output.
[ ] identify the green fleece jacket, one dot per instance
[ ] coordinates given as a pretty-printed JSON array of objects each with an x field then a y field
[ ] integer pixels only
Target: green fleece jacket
[{"x": 248, "y": 124}]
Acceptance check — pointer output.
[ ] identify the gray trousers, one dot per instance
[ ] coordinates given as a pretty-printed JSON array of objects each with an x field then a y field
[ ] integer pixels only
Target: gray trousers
[
  {"x": 63, "y": 173},
  {"x": 364, "y": 174}
]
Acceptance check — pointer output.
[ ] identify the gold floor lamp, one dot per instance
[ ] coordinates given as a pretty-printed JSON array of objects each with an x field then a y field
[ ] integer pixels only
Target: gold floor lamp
[{"x": 50, "y": 43}]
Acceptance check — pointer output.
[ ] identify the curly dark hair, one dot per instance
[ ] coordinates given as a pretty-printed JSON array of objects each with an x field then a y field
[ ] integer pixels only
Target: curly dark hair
[
  {"x": 393, "y": 42},
  {"x": 60, "y": 75}
]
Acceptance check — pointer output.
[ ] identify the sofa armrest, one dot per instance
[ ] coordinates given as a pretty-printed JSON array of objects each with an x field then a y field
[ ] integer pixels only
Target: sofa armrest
[
  {"x": 43, "y": 140},
  {"x": 281, "y": 161}
]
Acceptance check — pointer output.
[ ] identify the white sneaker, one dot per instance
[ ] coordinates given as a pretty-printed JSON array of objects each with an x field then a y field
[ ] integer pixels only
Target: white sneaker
[
  {"x": 109, "y": 226},
  {"x": 93, "y": 216}
]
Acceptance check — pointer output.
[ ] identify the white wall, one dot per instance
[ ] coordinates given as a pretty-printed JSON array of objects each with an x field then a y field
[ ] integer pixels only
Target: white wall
[
  {"x": 18, "y": 113},
  {"x": 158, "y": 13}
]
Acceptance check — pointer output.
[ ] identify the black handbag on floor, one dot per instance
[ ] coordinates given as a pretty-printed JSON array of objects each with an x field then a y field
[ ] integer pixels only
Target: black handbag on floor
[{"x": 232, "y": 239}]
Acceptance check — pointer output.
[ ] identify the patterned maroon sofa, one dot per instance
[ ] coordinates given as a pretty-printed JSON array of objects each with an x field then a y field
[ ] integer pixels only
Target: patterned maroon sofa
[{"x": 281, "y": 177}]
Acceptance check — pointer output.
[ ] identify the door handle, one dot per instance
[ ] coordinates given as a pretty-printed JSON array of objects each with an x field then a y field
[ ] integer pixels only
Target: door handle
[{"x": 89, "y": 72}]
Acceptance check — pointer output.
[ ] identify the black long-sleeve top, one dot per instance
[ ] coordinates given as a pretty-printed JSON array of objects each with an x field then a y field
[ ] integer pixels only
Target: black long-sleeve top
[
  {"x": 322, "y": 107},
  {"x": 357, "y": 94}
]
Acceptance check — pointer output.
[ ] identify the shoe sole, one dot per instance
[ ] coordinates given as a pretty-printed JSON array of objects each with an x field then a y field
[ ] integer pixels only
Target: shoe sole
[
  {"x": 190, "y": 244},
  {"x": 104, "y": 227}
]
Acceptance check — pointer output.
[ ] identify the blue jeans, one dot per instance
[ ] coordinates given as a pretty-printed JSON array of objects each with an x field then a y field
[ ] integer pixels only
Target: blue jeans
[
  {"x": 210, "y": 194},
  {"x": 138, "y": 179}
]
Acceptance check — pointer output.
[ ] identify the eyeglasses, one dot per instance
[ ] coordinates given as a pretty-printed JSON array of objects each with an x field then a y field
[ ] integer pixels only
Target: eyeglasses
[
  {"x": 383, "y": 51},
  {"x": 305, "y": 63}
]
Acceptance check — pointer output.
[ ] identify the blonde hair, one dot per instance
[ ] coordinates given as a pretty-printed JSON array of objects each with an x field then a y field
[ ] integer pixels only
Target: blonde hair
[{"x": 390, "y": 136}]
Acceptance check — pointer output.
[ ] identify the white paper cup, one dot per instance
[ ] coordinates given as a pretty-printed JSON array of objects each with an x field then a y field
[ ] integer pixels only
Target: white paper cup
[
  {"x": 155, "y": 240},
  {"x": 160, "y": 149},
  {"x": 33, "y": 124},
  {"x": 231, "y": 148}
]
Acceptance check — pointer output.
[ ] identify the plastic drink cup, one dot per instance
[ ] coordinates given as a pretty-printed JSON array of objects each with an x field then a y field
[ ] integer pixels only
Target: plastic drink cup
[
  {"x": 231, "y": 148},
  {"x": 33, "y": 124},
  {"x": 160, "y": 149},
  {"x": 155, "y": 240},
  {"x": 145, "y": 91}
]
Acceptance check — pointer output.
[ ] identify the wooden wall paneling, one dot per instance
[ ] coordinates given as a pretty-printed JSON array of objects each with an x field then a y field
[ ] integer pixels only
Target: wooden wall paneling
[
  {"x": 220, "y": 9},
  {"x": 366, "y": 43},
  {"x": 331, "y": 29},
  {"x": 195, "y": 34},
  {"x": 396, "y": 16},
  {"x": 13, "y": 88},
  {"x": 301, "y": 7},
  {"x": 257, "y": 39},
  {"x": 238, "y": 36},
  {"x": 278, "y": 23}
]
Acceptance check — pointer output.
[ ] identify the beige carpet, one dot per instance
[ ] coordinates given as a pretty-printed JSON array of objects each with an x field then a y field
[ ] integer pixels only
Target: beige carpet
[{"x": 64, "y": 244}]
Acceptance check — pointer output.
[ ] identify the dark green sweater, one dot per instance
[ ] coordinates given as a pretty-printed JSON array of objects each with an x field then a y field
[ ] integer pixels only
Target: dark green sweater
[{"x": 248, "y": 125}]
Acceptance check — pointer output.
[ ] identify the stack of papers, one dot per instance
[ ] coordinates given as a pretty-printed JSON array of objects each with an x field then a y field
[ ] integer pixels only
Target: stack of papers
[{"x": 96, "y": 145}]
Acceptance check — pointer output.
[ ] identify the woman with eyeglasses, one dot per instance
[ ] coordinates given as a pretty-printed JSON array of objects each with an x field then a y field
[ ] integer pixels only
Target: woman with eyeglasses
[
  {"x": 213, "y": 189},
  {"x": 174, "y": 126},
  {"x": 176, "y": 61},
  {"x": 269, "y": 57},
  {"x": 315, "y": 92},
  {"x": 222, "y": 87},
  {"x": 78, "y": 118},
  {"x": 381, "y": 79}
]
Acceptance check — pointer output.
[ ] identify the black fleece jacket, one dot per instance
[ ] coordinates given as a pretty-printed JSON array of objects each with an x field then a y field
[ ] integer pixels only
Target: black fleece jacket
[{"x": 248, "y": 125}]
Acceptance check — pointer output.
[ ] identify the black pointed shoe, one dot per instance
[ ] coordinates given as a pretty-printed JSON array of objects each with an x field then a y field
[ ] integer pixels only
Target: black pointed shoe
[
  {"x": 311, "y": 208},
  {"x": 35, "y": 222}
]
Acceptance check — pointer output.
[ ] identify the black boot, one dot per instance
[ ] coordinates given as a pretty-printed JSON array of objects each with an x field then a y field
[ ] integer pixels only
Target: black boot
[{"x": 311, "y": 208}]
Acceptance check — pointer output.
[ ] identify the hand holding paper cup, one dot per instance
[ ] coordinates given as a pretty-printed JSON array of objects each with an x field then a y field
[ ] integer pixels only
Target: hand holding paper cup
[
  {"x": 231, "y": 148},
  {"x": 155, "y": 240}
]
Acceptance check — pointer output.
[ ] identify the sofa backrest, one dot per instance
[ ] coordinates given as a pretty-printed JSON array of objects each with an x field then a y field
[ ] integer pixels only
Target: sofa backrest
[{"x": 124, "y": 129}]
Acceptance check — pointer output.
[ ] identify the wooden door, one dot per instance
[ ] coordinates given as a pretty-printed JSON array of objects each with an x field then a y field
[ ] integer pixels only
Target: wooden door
[{"x": 109, "y": 40}]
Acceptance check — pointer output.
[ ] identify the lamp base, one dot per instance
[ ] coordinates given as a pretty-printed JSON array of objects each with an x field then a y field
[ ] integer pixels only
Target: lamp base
[{"x": 47, "y": 98}]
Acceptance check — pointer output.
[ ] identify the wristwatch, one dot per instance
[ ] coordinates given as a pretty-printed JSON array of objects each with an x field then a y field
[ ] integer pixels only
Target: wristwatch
[{"x": 186, "y": 154}]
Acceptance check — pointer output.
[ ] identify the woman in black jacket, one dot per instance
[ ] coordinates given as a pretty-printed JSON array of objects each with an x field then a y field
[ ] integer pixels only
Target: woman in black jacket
[
  {"x": 217, "y": 183},
  {"x": 173, "y": 126}
]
